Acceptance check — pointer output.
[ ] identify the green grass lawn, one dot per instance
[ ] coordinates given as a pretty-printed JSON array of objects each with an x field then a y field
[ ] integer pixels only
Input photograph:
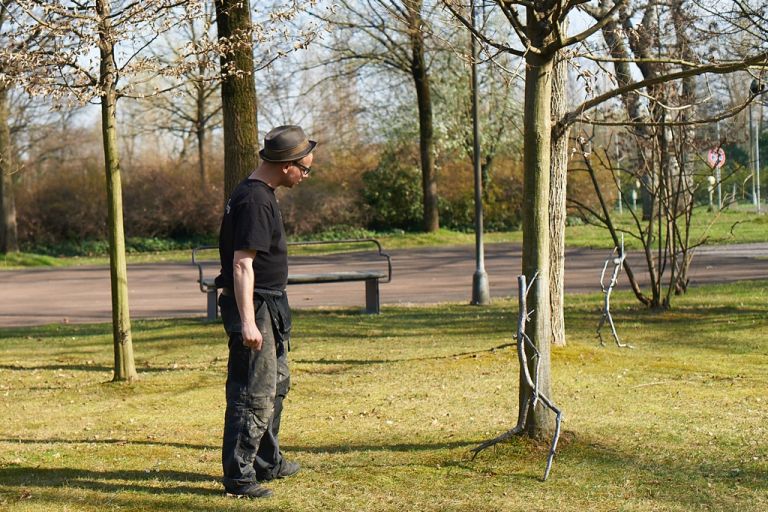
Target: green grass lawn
[
  {"x": 728, "y": 227},
  {"x": 384, "y": 410},
  {"x": 734, "y": 226}
]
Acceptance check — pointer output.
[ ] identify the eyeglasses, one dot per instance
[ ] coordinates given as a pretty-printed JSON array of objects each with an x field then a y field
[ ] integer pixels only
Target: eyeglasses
[{"x": 304, "y": 169}]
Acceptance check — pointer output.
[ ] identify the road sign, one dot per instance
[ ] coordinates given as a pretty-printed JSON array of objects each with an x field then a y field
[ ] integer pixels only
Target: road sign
[{"x": 716, "y": 158}]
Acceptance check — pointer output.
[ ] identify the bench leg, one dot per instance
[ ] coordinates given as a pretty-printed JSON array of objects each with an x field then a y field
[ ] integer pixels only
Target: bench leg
[
  {"x": 372, "y": 304},
  {"x": 213, "y": 308}
]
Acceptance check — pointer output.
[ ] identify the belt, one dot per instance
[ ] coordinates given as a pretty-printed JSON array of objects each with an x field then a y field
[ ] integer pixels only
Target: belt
[{"x": 229, "y": 292}]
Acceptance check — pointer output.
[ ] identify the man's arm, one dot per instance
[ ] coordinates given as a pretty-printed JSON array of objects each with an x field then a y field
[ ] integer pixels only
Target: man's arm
[{"x": 243, "y": 274}]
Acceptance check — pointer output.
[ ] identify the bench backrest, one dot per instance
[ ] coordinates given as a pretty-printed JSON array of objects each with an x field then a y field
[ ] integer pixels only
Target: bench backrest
[{"x": 205, "y": 284}]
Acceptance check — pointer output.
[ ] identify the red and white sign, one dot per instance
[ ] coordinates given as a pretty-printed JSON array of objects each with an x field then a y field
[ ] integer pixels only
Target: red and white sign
[{"x": 716, "y": 158}]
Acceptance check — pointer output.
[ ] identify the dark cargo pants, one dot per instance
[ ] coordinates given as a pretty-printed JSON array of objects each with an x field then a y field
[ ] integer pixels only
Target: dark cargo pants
[{"x": 257, "y": 383}]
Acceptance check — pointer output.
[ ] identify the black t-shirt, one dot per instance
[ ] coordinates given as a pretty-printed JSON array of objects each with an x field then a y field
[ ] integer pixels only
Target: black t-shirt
[{"x": 252, "y": 221}]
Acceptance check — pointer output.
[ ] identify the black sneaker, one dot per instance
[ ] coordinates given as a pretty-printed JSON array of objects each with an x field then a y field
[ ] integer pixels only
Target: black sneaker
[
  {"x": 252, "y": 491},
  {"x": 287, "y": 469}
]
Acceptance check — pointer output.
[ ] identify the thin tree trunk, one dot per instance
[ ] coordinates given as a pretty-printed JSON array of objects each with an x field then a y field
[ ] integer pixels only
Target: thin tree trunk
[
  {"x": 536, "y": 246},
  {"x": 8, "y": 234},
  {"x": 431, "y": 215},
  {"x": 238, "y": 93},
  {"x": 125, "y": 369},
  {"x": 605, "y": 209},
  {"x": 557, "y": 188},
  {"x": 202, "y": 168},
  {"x": 201, "y": 132}
]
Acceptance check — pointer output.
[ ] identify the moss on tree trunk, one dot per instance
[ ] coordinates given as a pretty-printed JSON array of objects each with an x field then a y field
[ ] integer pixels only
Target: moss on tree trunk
[
  {"x": 430, "y": 216},
  {"x": 8, "y": 234},
  {"x": 238, "y": 92},
  {"x": 536, "y": 243},
  {"x": 558, "y": 175},
  {"x": 125, "y": 369}
]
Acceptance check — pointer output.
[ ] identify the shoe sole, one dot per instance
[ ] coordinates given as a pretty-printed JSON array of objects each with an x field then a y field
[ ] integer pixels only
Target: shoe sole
[{"x": 246, "y": 496}]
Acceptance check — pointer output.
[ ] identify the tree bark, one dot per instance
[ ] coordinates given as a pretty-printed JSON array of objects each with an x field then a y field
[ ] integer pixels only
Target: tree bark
[
  {"x": 125, "y": 369},
  {"x": 8, "y": 233},
  {"x": 238, "y": 92},
  {"x": 537, "y": 134},
  {"x": 557, "y": 188},
  {"x": 431, "y": 216}
]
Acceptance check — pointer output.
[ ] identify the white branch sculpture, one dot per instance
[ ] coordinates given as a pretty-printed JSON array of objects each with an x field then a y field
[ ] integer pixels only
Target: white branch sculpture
[
  {"x": 617, "y": 258},
  {"x": 534, "y": 395}
]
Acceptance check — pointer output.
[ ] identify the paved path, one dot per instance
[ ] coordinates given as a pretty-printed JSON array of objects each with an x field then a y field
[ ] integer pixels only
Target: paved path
[{"x": 82, "y": 294}]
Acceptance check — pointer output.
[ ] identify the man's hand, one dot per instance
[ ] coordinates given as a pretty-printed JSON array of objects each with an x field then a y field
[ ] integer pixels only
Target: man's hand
[{"x": 252, "y": 335}]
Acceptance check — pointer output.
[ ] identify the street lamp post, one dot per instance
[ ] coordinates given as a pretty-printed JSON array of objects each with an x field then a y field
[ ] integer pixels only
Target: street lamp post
[
  {"x": 754, "y": 133},
  {"x": 717, "y": 173},
  {"x": 480, "y": 290},
  {"x": 618, "y": 178}
]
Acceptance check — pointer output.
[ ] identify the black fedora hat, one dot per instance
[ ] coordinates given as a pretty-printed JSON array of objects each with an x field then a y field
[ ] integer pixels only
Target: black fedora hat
[{"x": 286, "y": 144}]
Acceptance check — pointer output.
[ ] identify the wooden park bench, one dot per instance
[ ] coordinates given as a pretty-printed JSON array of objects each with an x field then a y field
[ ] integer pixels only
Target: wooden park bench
[{"x": 372, "y": 278}]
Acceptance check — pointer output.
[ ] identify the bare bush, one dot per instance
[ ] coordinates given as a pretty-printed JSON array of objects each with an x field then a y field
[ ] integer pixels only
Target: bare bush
[{"x": 70, "y": 206}]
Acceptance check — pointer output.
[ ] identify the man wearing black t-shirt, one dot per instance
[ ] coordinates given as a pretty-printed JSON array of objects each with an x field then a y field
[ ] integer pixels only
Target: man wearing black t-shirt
[{"x": 256, "y": 316}]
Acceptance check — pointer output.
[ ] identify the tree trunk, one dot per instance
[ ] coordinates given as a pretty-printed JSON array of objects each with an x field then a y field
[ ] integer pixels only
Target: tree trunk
[
  {"x": 125, "y": 369},
  {"x": 537, "y": 133},
  {"x": 202, "y": 168},
  {"x": 200, "y": 132},
  {"x": 558, "y": 177},
  {"x": 238, "y": 92},
  {"x": 8, "y": 236},
  {"x": 431, "y": 216},
  {"x": 643, "y": 39}
]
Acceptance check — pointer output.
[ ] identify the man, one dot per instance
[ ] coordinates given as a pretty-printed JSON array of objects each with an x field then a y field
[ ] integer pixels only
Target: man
[{"x": 256, "y": 316}]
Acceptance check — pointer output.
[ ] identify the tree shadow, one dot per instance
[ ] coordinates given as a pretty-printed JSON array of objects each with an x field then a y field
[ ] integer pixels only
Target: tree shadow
[
  {"x": 648, "y": 474},
  {"x": 363, "y": 362},
  {"x": 108, "y": 481},
  {"x": 80, "y": 368},
  {"x": 118, "y": 442},
  {"x": 397, "y": 447},
  {"x": 142, "y": 329}
]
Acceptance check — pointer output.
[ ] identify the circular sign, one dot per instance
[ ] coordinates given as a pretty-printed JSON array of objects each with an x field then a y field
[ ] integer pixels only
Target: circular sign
[{"x": 716, "y": 158}]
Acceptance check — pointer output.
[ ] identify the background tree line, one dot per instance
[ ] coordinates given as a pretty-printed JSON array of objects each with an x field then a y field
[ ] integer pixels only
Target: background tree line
[
  {"x": 364, "y": 114},
  {"x": 355, "y": 90}
]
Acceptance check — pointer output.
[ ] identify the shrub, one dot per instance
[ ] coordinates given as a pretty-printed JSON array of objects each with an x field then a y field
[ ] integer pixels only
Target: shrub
[
  {"x": 317, "y": 205},
  {"x": 502, "y": 196},
  {"x": 69, "y": 206},
  {"x": 66, "y": 214},
  {"x": 392, "y": 194},
  {"x": 504, "y": 201},
  {"x": 162, "y": 203}
]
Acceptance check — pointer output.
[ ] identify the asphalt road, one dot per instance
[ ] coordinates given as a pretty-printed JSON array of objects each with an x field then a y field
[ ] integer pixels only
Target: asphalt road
[{"x": 82, "y": 294}]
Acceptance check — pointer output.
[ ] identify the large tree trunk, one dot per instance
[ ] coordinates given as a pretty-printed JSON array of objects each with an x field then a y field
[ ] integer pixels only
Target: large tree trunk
[
  {"x": 8, "y": 236},
  {"x": 642, "y": 40},
  {"x": 125, "y": 369},
  {"x": 557, "y": 188},
  {"x": 537, "y": 133},
  {"x": 431, "y": 216},
  {"x": 238, "y": 92}
]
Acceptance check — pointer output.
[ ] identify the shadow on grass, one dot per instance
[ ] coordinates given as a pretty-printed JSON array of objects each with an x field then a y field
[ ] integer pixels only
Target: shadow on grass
[
  {"x": 362, "y": 362},
  {"x": 117, "y": 442},
  {"x": 81, "y": 368},
  {"x": 674, "y": 327},
  {"x": 399, "y": 447},
  {"x": 140, "y": 327},
  {"x": 651, "y": 474},
  {"x": 108, "y": 481}
]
